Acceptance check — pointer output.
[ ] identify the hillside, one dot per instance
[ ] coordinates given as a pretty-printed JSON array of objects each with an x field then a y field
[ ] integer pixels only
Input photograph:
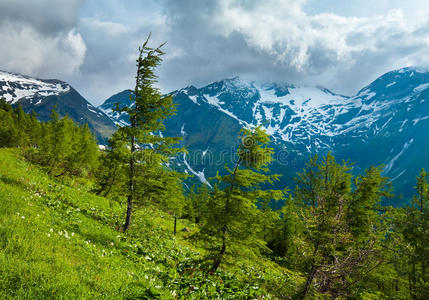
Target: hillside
[{"x": 58, "y": 240}]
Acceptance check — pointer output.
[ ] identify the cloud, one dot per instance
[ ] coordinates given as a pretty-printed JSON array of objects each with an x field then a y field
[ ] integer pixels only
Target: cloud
[
  {"x": 39, "y": 37},
  {"x": 315, "y": 42},
  {"x": 112, "y": 46},
  {"x": 44, "y": 16},
  {"x": 30, "y": 52},
  {"x": 278, "y": 40}
]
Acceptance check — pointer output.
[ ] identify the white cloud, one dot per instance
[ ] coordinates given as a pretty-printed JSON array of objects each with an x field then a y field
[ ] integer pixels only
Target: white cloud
[
  {"x": 283, "y": 29},
  {"x": 281, "y": 40},
  {"x": 30, "y": 52},
  {"x": 112, "y": 29}
]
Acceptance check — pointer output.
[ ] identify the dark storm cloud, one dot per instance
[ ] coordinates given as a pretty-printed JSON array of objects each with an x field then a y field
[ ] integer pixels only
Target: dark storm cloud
[
  {"x": 38, "y": 37},
  {"x": 45, "y": 16}
]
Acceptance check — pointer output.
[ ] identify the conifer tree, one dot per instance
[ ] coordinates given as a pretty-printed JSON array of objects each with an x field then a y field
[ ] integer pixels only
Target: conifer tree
[
  {"x": 268, "y": 216},
  {"x": 112, "y": 169},
  {"x": 198, "y": 198},
  {"x": 343, "y": 228},
  {"x": 148, "y": 150},
  {"x": 416, "y": 238},
  {"x": 18, "y": 129},
  {"x": 231, "y": 217},
  {"x": 286, "y": 241}
]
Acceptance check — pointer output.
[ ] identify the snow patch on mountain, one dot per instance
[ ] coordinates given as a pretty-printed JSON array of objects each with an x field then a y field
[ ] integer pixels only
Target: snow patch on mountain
[
  {"x": 389, "y": 166},
  {"x": 421, "y": 87},
  {"x": 15, "y": 87},
  {"x": 200, "y": 174}
]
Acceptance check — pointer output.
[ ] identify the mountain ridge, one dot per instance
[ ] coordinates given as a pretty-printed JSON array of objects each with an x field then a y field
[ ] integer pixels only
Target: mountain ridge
[
  {"x": 43, "y": 95},
  {"x": 382, "y": 124}
]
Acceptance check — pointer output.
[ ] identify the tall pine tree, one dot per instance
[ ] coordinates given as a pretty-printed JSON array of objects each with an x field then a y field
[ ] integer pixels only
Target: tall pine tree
[{"x": 147, "y": 110}]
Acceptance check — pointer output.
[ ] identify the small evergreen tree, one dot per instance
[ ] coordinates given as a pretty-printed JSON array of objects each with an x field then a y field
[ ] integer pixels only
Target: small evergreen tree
[
  {"x": 198, "y": 199},
  {"x": 343, "y": 227},
  {"x": 287, "y": 235},
  {"x": 112, "y": 168},
  {"x": 416, "y": 238},
  {"x": 230, "y": 223}
]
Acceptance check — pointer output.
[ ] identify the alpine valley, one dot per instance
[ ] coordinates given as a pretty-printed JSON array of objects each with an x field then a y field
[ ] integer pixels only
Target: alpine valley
[{"x": 383, "y": 124}]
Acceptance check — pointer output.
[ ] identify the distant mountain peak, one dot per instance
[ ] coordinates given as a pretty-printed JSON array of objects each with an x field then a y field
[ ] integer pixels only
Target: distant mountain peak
[
  {"x": 412, "y": 69},
  {"x": 14, "y": 87},
  {"x": 398, "y": 84},
  {"x": 42, "y": 95}
]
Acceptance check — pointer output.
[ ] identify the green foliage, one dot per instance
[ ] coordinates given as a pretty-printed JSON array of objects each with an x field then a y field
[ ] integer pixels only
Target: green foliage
[
  {"x": 66, "y": 148},
  {"x": 63, "y": 147},
  {"x": 141, "y": 145},
  {"x": 332, "y": 238},
  {"x": 18, "y": 129},
  {"x": 231, "y": 220},
  {"x": 286, "y": 241},
  {"x": 60, "y": 241},
  {"x": 196, "y": 205},
  {"x": 343, "y": 227},
  {"x": 414, "y": 229},
  {"x": 111, "y": 175}
]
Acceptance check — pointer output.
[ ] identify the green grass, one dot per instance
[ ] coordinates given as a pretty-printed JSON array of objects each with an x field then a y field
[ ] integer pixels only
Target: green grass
[{"x": 58, "y": 240}]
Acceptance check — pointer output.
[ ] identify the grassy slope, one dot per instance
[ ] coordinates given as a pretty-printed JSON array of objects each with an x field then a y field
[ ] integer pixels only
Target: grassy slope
[{"x": 59, "y": 241}]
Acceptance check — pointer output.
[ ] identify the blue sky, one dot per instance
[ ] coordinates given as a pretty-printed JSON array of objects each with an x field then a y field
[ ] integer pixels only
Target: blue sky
[{"x": 92, "y": 44}]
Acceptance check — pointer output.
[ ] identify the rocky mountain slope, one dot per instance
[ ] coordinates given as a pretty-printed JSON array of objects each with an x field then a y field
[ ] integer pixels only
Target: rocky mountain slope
[
  {"x": 383, "y": 124},
  {"x": 43, "y": 95}
]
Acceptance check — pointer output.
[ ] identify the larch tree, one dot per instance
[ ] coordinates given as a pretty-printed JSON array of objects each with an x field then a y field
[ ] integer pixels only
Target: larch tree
[
  {"x": 231, "y": 220},
  {"x": 148, "y": 149},
  {"x": 416, "y": 238},
  {"x": 342, "y": 225}
]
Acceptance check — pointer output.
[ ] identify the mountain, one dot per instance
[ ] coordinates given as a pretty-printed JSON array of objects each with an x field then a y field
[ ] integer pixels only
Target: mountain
[
  {"x": 383, "y": 124},
  {"x": 43, "y": 95}
]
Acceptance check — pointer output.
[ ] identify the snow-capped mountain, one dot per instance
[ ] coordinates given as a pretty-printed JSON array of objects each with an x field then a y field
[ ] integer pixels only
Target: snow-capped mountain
[
  {"x": 42, "y": 95},
  {"x": 385, "y": 123}
]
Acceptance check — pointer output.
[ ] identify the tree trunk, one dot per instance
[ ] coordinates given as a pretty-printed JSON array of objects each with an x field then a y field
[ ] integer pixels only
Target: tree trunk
[
  {"x": 129, "y": 211},
  {"x": 310, "y": 275},
  {"x": 218, "y": 259},
  {"x": 265, "y": 234},
  {"x": 175, "y": 224},
  {"x": 308, "y": 282},
  {"x": 412, "y": 281},
  {"x": 131, "y": 184}
]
